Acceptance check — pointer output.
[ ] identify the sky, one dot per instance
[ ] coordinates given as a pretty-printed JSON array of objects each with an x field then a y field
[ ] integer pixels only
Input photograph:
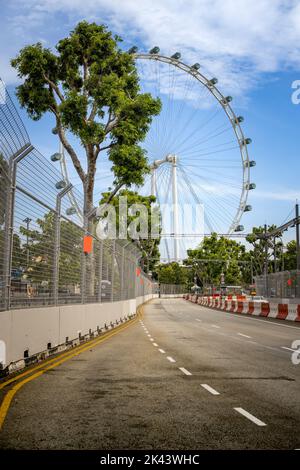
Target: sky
[{"x": 253, "y": 48}]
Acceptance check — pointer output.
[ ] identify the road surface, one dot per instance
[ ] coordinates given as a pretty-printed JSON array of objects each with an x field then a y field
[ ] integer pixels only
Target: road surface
[{"x": 184, "y": 377}]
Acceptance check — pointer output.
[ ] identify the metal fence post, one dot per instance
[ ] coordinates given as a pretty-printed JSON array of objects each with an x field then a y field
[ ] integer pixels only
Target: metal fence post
[
  {"x": 9, "y": 220},
  {"x": 56, "y": 244},
  {"x": 122, "y": 274},
  {"x": 113, "y": 270},
  {"x": 100, "y": 271},
  {"x": 86, "y": 219}
]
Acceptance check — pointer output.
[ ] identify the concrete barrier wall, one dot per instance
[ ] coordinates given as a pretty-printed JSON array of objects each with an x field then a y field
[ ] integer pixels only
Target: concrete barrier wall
[{"x": 40, "y": 329}]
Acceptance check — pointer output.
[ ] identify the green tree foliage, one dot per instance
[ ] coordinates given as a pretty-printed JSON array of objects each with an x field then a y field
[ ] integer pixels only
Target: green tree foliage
[
  {"x": 41, "y": 250},
  {"x": 149, "y": 246},
  {"x": 290, "y": 256},
  {"x": 258, "y": 252},
  {"x": 92, "y": 89},
  {"x": 214, "y": 256}
]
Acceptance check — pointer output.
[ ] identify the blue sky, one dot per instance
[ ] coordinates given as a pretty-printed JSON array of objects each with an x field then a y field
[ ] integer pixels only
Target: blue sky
[{"x": 253, "y": 49}]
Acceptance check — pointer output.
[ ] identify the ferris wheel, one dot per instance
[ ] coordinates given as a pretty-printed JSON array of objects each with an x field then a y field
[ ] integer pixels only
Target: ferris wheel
[
  {"x": 197, "y": 151},
  {"x": 198, "y": 154}
]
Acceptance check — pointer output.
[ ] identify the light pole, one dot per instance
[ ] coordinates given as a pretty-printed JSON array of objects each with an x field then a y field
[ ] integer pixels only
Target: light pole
[{"x": 297, "y": 236}]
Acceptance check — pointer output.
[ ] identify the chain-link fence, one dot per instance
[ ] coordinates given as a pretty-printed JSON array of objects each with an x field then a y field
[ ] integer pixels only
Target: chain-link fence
[
  {"x": 285, "y": 285},
  {"x": 41, "y": 233},
  {"x": 172, "y": 289}
]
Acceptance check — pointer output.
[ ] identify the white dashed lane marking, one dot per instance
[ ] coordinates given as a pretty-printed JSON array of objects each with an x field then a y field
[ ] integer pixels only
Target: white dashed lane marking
[
  {"x": 244, "y": 336},
  {"x": 162, "y": 351},
  {"x": 210, "y": 389},
  {"x": 155, "y": 344},
  {"x": 198, "y": 319},
  {"x": 170, "y": 359},
  {"x": 151, "y": 339},
  {"x": 185, "y": 371},
  {"x": 249, "y": 416},
  {"x": 215, "y": 326}
]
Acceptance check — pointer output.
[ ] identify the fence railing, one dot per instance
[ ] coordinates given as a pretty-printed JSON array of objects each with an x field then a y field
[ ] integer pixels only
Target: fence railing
[
  {"x": 41, "y": 233},
  {"x": 172, "y": 289}
]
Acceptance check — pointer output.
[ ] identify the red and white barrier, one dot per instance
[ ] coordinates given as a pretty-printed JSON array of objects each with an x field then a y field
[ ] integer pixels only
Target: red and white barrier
[{"x": 242, "y": 307}]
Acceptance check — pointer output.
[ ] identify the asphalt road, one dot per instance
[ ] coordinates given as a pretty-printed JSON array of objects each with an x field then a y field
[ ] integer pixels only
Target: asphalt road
[{"x": 186, "y": 377}]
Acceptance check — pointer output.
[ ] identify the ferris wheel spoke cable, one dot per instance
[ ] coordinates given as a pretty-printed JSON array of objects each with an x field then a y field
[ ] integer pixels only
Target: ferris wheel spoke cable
[
  {"x": 191, "y": 189},
  {"x": 213, "y": 176},
  {"x": 189, "y": 118},
  {"x": 217, "y": 202},
  {"x": 171, "y": 112},
  {"x": 195, "y": 130},
  {"x": 204, "y": 139}
]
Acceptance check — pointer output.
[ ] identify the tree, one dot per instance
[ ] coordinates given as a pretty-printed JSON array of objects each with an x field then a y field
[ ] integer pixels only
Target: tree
[
  {"x": 91, "y": 87},
  {"x": 264, "y": 249},
  {"x": 290, "y": 256},
  {"x": 41, "y": 247},
  {"x": 214, "y": 256},
  {"x": 149, "y": 246},
  {"x": 172, "y": 273}
]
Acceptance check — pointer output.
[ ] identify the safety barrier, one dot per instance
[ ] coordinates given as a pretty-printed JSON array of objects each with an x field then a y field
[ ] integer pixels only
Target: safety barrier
[
  {"x": 263, "y": 309},
  {"x": 33, "y": 334}
]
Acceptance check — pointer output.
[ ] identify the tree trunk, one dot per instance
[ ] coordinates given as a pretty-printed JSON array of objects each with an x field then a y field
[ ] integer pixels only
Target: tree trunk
[{"x": 90, "y": 264}]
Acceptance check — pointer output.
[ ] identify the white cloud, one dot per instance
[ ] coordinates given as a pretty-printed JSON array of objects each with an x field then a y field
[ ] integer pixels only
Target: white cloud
[{"x": 235, "y": 40}]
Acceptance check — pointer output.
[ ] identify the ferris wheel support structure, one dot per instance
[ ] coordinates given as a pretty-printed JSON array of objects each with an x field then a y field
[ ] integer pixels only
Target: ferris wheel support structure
[{"x": 172, "y": 159}]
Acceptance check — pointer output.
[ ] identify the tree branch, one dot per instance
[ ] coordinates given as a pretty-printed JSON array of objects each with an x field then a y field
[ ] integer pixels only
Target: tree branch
[
  {"x": 54, "y": 87},
  {"x": 106, "y": 147},
  {"x": 111, "y": 123},
  {"x": 114, "y": 192},
  {"x": 70, "y": 150},
  {"x": 93, "y": 112}
]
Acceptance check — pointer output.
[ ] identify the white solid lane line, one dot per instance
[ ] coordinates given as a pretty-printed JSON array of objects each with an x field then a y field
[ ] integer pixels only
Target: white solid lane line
[
  {"x": 155, "y": 344},
  {"x": 162, "y": 351},
  {"x": 186, "y": 372},
  {"x": 170, "y": 359},
  {"x": 252, "y": 418},
  {"x": 244, "y": 336},
  {"x": 210, "y": 389},
  {"x": 250, "y": 318}
]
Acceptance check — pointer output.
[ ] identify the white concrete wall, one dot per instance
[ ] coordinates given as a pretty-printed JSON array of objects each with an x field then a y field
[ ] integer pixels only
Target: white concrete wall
[{"x": 32, "y": 329}]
